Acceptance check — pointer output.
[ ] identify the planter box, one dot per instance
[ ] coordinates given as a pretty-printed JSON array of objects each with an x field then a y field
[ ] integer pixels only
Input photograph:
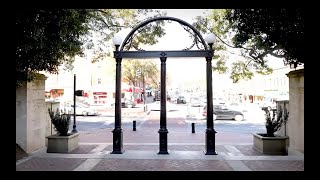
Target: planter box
[
  {"x": 62, "y": 144},
  {"x": 270, "y": 145}
]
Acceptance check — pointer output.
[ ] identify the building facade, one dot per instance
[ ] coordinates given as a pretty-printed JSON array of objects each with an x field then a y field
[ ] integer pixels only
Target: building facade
[
  {"x": 97, "y": 80},
  {"x": 263, "y": 88}
]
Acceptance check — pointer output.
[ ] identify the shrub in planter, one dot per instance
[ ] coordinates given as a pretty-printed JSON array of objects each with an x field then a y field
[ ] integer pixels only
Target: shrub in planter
[
  {"x": 60, "y": 121},
  {"x": 269, "y": 143},
  {"x": 62, "y": 142},
  {"x": 274, "y": 123}
]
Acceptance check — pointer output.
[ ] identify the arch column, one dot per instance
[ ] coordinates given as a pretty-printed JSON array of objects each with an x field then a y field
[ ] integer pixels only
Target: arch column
[
  {"x": 117, "y": 132},
  {"x": 210, "y": 132},
  {"x": 163, "y": 131}
]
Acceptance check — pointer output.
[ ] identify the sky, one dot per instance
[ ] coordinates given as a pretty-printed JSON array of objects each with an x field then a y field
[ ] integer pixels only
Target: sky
[
  {"x": 185, "y": 71},
  {"x": 177, "y": 38},
  {"x": 182, "y": 71}
]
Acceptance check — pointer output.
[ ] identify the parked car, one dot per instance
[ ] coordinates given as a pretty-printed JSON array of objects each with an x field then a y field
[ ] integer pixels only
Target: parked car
[
  {"x": 181, "y": 100},
  {"x": 81, "y": 109},
  {"x": 223, "y": 112},
  {"x": 195, "y": 102},
  {"x": 127, "y": 103}
]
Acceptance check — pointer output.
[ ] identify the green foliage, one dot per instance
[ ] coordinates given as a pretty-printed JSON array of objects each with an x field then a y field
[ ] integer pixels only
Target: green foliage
[
  {"x": 257, "y": 33},
  {"x": 278, "y": 32},
  {"x": 148, "y": 69},
  {"x": 46, "y": 38},
  {"x": 274, "y": 124},
  {"x": 214, "y": 23},
  {"x": 60, "y": 121},
  {"x": 107, "y": 22},
  {"x": 240, "y": 71}
]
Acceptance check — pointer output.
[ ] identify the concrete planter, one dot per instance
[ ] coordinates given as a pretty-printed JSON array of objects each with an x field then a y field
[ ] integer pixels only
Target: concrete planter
[
  {"x": 270, "y": 145},
  {"x": 62, "y": 144}
]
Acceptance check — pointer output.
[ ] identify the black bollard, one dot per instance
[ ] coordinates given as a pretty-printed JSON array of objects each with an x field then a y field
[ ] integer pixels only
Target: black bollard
[
  {"x": 193, "y": 131},
  {"x": 134, "y": 125}
]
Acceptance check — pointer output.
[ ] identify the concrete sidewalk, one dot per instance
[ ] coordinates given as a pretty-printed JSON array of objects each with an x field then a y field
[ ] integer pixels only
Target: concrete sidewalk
[{"x": 235, "y": 152}]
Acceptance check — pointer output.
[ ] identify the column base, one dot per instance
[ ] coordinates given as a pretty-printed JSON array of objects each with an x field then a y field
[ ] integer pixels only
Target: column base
[
  {"x": 210, "y": 142},
  {"x": 209, "y": 152},
  {"x": 117, "y": 141},
  {"x": 163, "y": 141}
]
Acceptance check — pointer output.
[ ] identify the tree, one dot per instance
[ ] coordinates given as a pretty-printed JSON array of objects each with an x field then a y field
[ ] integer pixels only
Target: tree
[
  {"x": 147, "y": 68},
  {"x": 48, "y": 38},
  {"x": 278, "y": 32},
  {"x": 241, "y": 68},
  {"x": 214, "y": 23},
  {"x": 256, "y": 33},
  {"x": 107, "y": 22}
]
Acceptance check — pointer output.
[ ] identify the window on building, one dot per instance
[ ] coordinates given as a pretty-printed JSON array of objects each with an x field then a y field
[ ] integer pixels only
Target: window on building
[{"x": 99, "y": 80}]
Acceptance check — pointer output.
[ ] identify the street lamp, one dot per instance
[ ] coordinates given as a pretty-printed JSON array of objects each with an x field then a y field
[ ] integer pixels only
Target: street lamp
[
  {"x": 117, "y": 40},
  {"x": 210, "y": 39},
  {"x": 117, "y": 132},
  {"x": 210, "y": 132}
]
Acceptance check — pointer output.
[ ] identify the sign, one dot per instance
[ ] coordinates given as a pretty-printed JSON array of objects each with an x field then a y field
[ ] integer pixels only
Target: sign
[{"x": 99, "y": 93}]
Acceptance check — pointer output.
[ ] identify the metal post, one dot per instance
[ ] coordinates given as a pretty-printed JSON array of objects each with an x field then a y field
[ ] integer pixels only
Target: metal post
[
  {"x": 117, "y": 132},
  {"x": 144, "y": 94},
  {"x": 193, "y": 128},
  {"x": 134, "y": 126},
  {"x": 163, "y": 132},
  {"x": 51, "y": 121},
  {"x": 210, "y": 132},
  {"x": 74, "y": 130}
]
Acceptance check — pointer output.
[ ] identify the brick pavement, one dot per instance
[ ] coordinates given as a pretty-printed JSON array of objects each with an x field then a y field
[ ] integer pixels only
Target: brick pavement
[{"x": 235, "y": 152}]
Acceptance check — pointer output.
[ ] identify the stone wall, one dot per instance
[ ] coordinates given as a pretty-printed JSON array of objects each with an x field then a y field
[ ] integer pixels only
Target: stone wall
[
  {"x": 296, "y": 108},
  {"x": 31, "y": 114}
]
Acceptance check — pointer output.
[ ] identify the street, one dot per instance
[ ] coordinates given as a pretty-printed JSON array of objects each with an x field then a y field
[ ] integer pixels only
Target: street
[{"x": 253, "y": 122}]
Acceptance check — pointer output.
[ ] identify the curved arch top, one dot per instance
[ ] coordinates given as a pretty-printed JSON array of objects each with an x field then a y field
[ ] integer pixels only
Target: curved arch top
[{"x": 163, "y": 18}]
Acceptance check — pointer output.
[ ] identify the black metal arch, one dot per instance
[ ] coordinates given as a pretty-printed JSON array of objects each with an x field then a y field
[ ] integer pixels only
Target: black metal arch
[
  {"x": 163, "y": 55},
  {"x": 142, "y": 24}
]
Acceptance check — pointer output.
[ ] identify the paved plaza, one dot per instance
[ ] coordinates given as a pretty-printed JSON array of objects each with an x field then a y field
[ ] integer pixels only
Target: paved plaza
[{"x": 235, "y": 152}]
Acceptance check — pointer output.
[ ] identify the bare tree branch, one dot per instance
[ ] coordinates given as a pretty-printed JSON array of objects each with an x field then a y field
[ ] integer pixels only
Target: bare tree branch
[{"x": 109, "y": 25}]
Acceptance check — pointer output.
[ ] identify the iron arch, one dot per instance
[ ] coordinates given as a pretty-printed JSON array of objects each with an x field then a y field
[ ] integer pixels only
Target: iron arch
[
  {"x": 142, "y": 24},
  {"x": 206, "y": 52}
]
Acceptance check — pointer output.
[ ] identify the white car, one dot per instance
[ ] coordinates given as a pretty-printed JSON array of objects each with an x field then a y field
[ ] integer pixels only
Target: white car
[
  {"x": 195, "y": 102},
  {"x": 80, "y": 110}
]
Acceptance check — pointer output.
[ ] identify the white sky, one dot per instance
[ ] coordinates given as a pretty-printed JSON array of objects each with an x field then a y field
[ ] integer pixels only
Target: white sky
[{"x": 184, "y": 71}]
